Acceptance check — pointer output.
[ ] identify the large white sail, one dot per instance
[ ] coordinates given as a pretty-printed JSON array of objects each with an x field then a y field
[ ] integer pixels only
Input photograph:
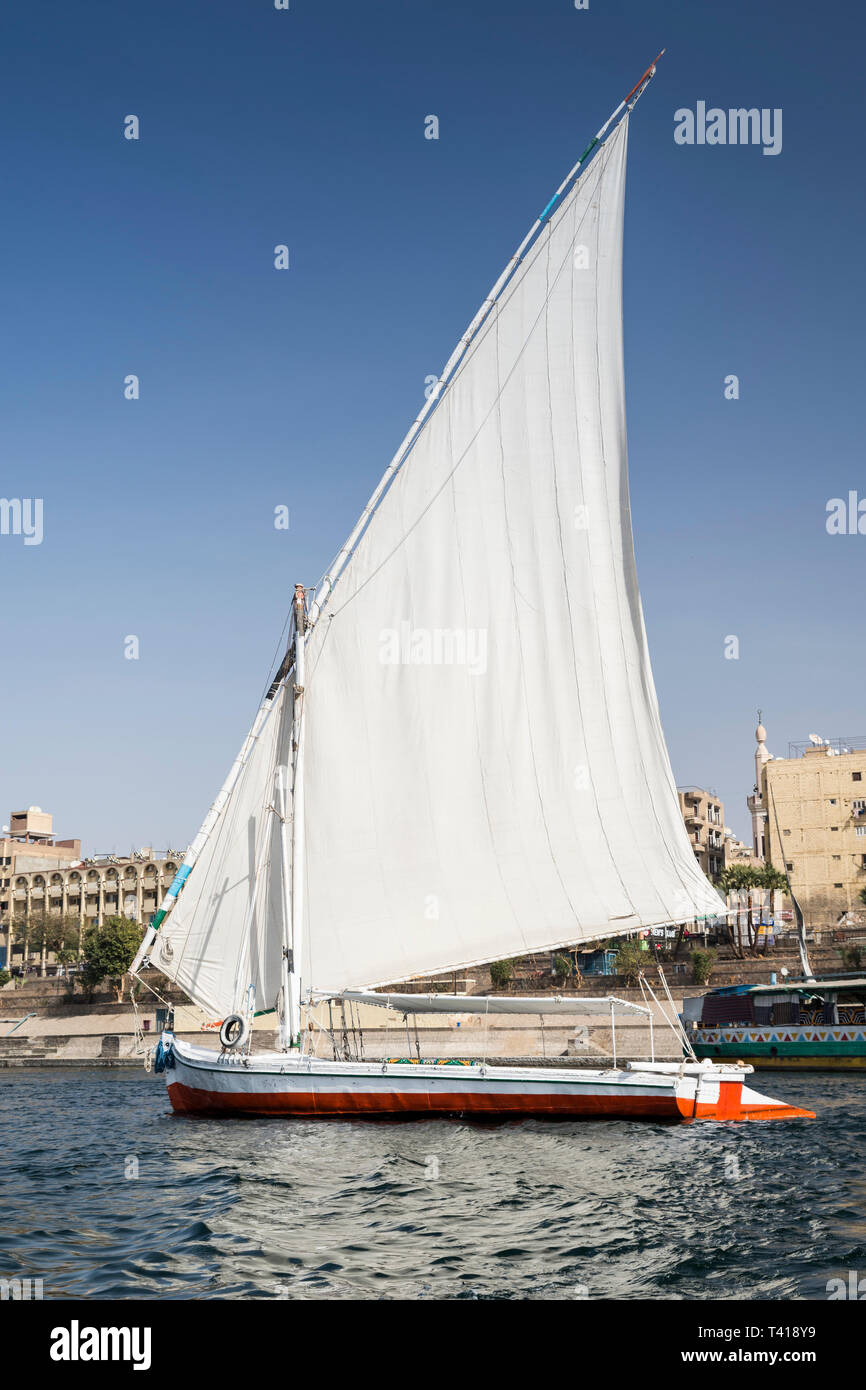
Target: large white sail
[
  {"x": 486, "y": 772},
  {"x": 227, "y": 929}
]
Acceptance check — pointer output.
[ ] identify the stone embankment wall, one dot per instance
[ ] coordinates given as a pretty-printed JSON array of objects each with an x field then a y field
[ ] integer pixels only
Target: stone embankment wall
[
  {"x": 108, "y": 1037},
  {"x": 43, "y": 1023}
]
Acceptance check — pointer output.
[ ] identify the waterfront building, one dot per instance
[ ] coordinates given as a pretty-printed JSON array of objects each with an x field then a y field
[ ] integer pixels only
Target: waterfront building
[
  {"x": 40, "y": 875},
  {"x": 28, "y": 843},
  {"x": 704, "y": 815},
  {"x": 818, "y": 797},
  {"x": 738, "y": 852}
]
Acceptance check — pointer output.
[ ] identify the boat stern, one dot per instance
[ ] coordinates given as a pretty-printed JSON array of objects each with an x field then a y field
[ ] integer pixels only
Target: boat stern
[
  {"x": 751, "y": 1105},
  {"x": 708, "y": 1091}
]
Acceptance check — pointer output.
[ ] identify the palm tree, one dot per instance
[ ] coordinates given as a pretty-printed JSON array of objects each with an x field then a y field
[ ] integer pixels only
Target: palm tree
[{"x": 747, "y": 876}]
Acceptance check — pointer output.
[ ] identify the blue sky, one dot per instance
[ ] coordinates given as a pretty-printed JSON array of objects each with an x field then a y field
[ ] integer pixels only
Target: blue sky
[{"x": 261, "y": 388}]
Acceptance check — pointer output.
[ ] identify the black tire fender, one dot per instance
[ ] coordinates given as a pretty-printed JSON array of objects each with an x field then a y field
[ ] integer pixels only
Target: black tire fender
[{"x": 234, "y": 1031}]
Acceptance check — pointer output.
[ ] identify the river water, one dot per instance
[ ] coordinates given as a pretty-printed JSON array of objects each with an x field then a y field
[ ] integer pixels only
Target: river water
[{"x": 107, "y": 1194}]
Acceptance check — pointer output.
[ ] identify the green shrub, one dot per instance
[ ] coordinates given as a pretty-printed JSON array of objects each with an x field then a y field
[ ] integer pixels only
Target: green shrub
[
  {"x": 562, "y": 967},
  {"x": 109, "y": 951},
  {"x": 702, "y": 964},
  {"x": 5, "y": 977},
  {"x": 630, "y": 959},
  {"x": 500, "y": 973}
]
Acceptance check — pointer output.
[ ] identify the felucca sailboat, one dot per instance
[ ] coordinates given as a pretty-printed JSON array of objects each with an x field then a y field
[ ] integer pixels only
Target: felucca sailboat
[{"x": 460, "y": 758}]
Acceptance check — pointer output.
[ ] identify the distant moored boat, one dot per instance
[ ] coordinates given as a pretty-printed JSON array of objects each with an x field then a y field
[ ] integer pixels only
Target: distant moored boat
[{"x": 809, "y": 1025}]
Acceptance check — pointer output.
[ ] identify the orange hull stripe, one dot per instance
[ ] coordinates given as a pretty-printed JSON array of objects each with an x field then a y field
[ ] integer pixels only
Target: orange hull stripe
[
  {"x": 189, "y": 1099},
  {"x": 351, "y": 1105}
]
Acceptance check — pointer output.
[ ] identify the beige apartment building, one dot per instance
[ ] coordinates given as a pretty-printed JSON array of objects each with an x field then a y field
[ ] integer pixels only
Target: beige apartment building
[
  {"x": 39, "y": 874},
  {"x": 28, "y": 842},
  {"x": 704, "y": 815},
  {"x": 738, "y": 852},
  {"x": 818, "y": 796}
]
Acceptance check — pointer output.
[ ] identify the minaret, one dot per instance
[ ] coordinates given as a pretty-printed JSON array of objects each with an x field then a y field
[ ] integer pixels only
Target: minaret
[{"x": 755, "y": 802}]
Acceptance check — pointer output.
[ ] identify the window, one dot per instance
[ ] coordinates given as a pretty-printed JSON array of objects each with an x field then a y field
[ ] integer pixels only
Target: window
[
  {"x": 856, "y": 776},
  {"x": 837, "y": 885},
  {"x": 860, "y": 830},
  {"x": 789, "y": 867},
  {"x": 837, "y": 856}
]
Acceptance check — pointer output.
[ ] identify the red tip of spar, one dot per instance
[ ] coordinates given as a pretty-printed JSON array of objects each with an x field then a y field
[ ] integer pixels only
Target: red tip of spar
[{"x": 649, "y": 72}]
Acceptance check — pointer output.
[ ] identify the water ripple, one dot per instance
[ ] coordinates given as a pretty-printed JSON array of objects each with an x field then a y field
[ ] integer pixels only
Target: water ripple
[{"x": 109, "y": 1195}]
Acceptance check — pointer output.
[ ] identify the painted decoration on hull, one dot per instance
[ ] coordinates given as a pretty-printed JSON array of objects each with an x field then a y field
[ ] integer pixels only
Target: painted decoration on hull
[
  {"x": 831, "y": 1048},
  {"x": 782, "y": 1034}
]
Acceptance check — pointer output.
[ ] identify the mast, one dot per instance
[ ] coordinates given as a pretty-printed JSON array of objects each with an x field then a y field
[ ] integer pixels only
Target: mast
[
  {"x": 294, "y": 886},
  {"x": 283, "y": 804},
  {"x": 329, "y": 580}
]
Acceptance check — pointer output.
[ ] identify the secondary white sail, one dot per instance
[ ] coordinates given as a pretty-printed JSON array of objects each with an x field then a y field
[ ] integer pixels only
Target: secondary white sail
[
  {"x": 227, "y": 929},
  {"x": 486, "y": 772}
]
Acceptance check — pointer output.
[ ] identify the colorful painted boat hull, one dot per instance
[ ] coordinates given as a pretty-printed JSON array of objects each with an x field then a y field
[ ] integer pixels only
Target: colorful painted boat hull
[
  {"x": 812, "y": 1047},
  {"x": 202, "y": 1081}
]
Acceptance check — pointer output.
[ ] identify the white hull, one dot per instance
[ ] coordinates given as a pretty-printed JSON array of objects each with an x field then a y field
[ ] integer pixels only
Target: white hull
[{"x": 203, "y": 1081}]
